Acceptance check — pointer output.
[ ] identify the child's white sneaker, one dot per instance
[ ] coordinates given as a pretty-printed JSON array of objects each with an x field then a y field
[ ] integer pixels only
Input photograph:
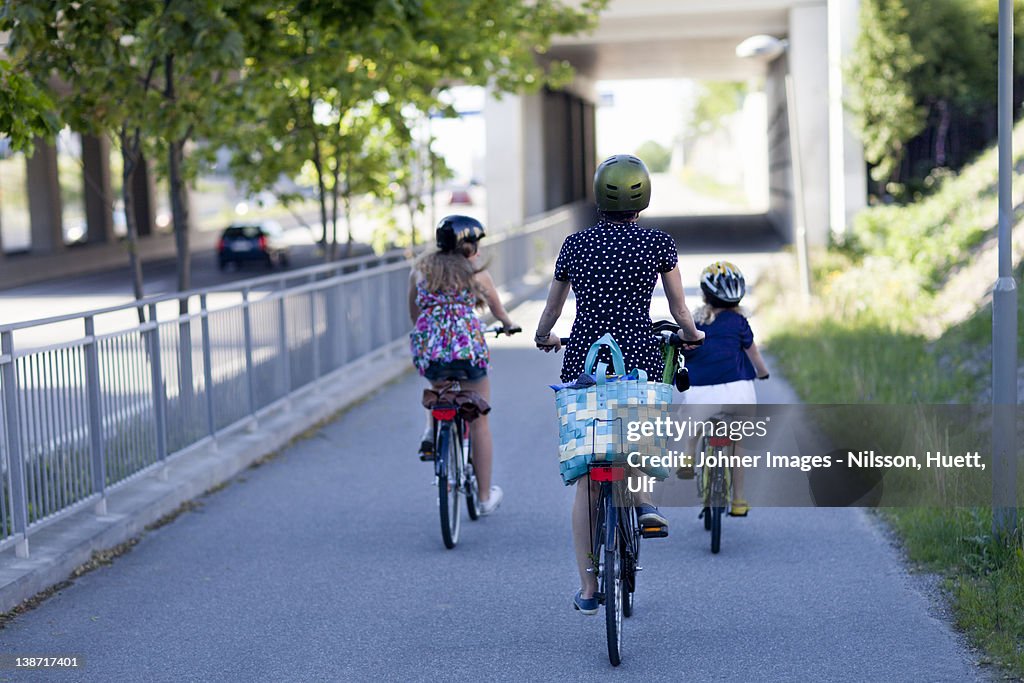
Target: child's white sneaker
[{"x": 486, "y": 507}]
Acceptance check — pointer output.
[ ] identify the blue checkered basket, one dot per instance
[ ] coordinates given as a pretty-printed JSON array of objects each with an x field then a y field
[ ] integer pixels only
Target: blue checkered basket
[{"x": 590, "y": 419}]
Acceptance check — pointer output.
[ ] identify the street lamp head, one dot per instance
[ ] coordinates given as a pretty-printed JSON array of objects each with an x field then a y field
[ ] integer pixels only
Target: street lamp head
[{"x": 762, "y": 47}]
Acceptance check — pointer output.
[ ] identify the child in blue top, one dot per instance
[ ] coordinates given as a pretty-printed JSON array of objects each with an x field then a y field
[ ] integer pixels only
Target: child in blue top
[{"x": 723, "y": 369}]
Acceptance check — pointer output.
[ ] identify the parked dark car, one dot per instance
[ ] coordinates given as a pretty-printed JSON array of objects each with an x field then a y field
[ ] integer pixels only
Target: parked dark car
[{"x": 261, "y": 242}]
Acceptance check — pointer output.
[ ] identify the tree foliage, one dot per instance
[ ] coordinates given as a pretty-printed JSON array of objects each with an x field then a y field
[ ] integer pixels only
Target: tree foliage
[
  {"x": 922, "y": 67},
  {"x": 716, "y": 100},
  {"x": 289, "y": 86}
]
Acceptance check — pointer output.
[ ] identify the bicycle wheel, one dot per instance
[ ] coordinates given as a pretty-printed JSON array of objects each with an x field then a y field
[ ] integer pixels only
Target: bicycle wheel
[
  {"x": 717, "y": 502},
  {"x": 470, "y": 485},
  {"x": 448, "y": 470},
  {"x": 613, "y": 604},
  {"x": 704, "y": 484},
  {"x": 716, "y": 528}
]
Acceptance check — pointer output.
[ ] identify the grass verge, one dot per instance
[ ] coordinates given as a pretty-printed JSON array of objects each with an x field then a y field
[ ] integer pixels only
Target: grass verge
[{"x": 881, "y": 331}]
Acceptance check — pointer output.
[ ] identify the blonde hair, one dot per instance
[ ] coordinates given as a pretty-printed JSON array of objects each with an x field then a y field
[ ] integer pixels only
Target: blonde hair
[
  {"x": 450, "y": 272},
  {"x": 706, "y": 314}
]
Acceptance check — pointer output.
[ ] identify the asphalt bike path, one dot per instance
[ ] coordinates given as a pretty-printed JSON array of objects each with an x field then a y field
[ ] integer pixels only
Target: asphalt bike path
[{"x": 326, "y": 563}]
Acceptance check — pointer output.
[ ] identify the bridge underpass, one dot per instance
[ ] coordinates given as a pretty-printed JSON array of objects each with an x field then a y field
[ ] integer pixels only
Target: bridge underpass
[
  {"x": 539, "y": 146},
  {"x": 326, "y": 563}
]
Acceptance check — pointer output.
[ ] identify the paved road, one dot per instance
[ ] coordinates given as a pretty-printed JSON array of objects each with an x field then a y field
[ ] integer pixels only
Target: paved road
[{"x": 327, "y": 564}]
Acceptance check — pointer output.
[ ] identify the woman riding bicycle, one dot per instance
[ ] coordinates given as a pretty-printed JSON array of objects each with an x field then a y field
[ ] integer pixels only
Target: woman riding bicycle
[
  {"x": 612, "y": 267},
  {"x": 448, "y": 338}
]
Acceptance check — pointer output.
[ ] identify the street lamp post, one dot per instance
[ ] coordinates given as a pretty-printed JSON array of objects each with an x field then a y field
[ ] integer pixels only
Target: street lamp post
[
  {"x": 767, "y": 49},
  {"x": 1004, "y": 305}
]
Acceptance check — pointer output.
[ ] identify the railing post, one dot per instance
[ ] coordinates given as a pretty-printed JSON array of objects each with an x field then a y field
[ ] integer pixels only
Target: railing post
[
  {"x": 97, "y": 452},
  {"x": 207, "y": 370},
  {"x": 159, "y": 394},
  {"x": 249, "y": 371},
  {"x": 16, "y": 472},
  {"x": 282, "y": 339},
  {"x": 315, "y": 337}
]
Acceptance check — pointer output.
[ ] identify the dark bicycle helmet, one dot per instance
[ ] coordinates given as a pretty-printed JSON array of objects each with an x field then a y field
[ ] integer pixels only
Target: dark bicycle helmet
[
  {"x": 622, "y": 183},
  {"x": 723, "y": 284},
  {"x": 455, "y": 230}
]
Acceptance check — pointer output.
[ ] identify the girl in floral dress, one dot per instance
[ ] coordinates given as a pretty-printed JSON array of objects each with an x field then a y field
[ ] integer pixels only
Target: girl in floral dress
[{"x": 448, "y": 338}]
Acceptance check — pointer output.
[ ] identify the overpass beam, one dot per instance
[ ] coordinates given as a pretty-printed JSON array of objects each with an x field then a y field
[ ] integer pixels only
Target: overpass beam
[{"x": 44, "y": 203}]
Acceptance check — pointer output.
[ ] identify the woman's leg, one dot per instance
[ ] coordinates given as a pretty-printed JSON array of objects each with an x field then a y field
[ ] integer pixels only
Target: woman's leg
[
  {"x": 583, "y": 509},
  {"x": 480, "y": 433}
]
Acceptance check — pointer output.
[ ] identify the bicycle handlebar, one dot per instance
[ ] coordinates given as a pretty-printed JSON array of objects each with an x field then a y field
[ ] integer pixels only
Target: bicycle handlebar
[{"x": 499, "y": 330}]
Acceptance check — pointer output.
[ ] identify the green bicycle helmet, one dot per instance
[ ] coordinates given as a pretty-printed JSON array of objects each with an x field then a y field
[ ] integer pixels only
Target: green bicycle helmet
[{"x": 622, "y": 183}]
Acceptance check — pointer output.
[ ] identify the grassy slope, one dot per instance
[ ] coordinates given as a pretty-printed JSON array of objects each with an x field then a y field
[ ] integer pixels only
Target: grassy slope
[{"x": 880, "y": 333}]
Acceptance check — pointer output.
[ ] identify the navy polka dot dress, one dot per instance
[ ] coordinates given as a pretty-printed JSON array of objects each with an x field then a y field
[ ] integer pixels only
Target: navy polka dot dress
[{"x": 613, "y": 268}]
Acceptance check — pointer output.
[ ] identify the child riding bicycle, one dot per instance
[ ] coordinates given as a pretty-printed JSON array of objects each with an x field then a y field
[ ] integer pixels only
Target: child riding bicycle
[
  {"x": 447, "y": 340},
  {"x": 722, "y": 370}
]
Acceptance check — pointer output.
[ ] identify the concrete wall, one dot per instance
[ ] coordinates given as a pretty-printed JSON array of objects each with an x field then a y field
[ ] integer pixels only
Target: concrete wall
[
  {"x": 540, "y": 154},
  {"x": 848, "y": 188},
  {"x": 780, "y": 173}
]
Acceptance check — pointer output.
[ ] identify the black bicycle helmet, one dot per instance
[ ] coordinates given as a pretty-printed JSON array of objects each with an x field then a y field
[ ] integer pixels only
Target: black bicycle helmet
[
  {"x": 723, "y": 284},
  {"x": 622, "y": 183},
  {"x": 453, "y": 231}
]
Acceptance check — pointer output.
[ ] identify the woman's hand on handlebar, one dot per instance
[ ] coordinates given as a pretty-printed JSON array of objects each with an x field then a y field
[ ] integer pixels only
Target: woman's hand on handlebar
[
  {"x": 547, "y": 343},
  {"x": 687, "y": 346}
]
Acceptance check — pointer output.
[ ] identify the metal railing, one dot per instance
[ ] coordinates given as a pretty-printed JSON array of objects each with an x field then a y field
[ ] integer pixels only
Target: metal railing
[{"x": 88, "y": 410}]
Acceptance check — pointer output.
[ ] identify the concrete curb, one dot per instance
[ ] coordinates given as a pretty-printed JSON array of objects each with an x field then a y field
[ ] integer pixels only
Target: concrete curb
[{"x": 59, "y": 549}]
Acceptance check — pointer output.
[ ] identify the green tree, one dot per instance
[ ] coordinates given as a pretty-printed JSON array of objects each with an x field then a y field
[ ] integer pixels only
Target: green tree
[
  {"x": 89, "y": 48},
  {"x": 26, "y": 110},
  {"x": 325, "y": 77},
  {"x": 918, "y": 66},
  {"x": 656, "y": 156},
  {"x": 716, "y": 100}
]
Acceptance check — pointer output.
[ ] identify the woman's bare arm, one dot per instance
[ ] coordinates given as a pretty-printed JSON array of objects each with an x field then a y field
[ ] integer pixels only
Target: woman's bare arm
[
  {"x": 673, "y": 283},
  {"x": 493, "y": 299},
  {"x": 755, "y": 357},
  {"x": 414, "y": 310},
  {"x": 557, "y": 295}
]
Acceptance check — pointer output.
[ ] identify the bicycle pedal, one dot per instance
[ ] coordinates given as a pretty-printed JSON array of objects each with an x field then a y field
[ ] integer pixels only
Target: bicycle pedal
[{"x": 654, "y": 531}]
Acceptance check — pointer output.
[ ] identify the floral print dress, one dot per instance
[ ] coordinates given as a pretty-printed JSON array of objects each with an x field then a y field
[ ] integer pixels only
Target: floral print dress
[{"x": 447, "y": 329}]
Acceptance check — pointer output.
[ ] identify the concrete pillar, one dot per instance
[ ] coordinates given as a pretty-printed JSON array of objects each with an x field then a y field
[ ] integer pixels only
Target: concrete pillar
[
  {"x": 44, "y": 203},
  {"x": 780, "y": 169},
  {"x": 145, "y": 198},
  {"x": 534, "y": 167},
  {"x": 847, "y": 172},
  {"x": 540, "y": 154},
  {"x": 98, "y": 196},
  {"x": 808, "y": 41}
]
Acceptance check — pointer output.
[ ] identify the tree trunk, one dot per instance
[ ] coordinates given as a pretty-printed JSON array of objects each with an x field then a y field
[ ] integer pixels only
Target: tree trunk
[
  {"x": 348, "y": 205},
  {"x": 130, "y": 162},
  {"x": 334, "y": 210},
  {"x": 180, "y": 214},
  {"x": 941, "y": 133},
  {"x": 322, "y": 195}
]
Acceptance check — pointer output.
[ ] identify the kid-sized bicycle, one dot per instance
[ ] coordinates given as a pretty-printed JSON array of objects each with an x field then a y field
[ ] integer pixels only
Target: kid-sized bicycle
[{"x": 453, "y": 458}]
